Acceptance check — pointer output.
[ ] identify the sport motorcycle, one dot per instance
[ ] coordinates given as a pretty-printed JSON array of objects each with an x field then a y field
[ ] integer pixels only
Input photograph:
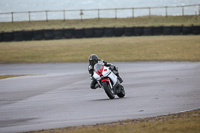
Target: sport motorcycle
[{"x": 107, "y": 80}]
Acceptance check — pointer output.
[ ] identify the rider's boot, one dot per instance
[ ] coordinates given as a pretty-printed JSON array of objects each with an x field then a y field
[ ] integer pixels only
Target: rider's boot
[
  {"x": 120, "y": 79},
  {"x": 115, "y": 71},
  {"x": 96, "y": 86}
]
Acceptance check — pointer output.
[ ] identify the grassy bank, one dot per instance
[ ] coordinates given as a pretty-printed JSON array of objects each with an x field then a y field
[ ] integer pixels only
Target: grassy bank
[
  {"x": 10, "y": 76},
  {"x": 187, "y": 122},
  {"x": 120, "y": 22},
  {"x": 146, "y": 48}
]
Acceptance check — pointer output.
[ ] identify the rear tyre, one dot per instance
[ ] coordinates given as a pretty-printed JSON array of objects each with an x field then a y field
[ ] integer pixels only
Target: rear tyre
[
  {"x": 108, "y": 90},
  {"x": 122, "y": 93}
]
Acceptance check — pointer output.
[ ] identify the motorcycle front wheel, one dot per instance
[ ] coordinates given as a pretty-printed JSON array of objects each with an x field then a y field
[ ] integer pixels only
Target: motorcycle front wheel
[{"x": 108, "y": 90}]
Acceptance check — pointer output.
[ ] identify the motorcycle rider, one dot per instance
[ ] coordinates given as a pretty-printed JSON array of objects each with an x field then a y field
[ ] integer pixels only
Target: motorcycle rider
[{"x": 93, "y": 59}]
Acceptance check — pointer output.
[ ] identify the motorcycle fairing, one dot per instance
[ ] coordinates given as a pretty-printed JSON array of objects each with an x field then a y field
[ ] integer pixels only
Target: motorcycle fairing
[
  {"x": 103, "y": 73},
  {"x": 105, "y": 80}
]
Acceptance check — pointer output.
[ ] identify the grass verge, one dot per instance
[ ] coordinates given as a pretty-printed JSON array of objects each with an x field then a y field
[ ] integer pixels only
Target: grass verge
[
  {"x": 87, "y": 23},
  {"x": 145, "y": 48},
  {"x": 187, "y": 122},
  {"x": 10, "y": 76}
]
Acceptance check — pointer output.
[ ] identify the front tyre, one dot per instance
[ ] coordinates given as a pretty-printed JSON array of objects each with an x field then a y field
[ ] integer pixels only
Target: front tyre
[
  {"x": 122, "y": 93},
  {"x": 108, "y": 90}
]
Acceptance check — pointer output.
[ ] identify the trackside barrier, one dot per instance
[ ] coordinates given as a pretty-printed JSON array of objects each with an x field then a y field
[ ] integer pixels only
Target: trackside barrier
[
  {"x": 18, "y": 36},
  {"x": 196, "y": 30},
  {"x": 1, "y": 37},
  {"x": 177, "y": 30},
  {"x": 129, "y": 31},
  {"x": 58, "y": 33},
  {"x": 148, "y": 31},
  {"x": 79, "y": 33},
  {"x": 8, "y": 36},
  {"x": 68, "y": 33},
  {"x": 157, "y": 30},
  {"x": 28, "y": 35},
  {"x": 89, "y": 32},
  {"x": 139, "y": 31},
  {"x": 98, "y": 32},
  {"x": 109, "y": 32},
  {"x": 119, "y": 31},
  {"x": 167, "y": 30},
  {"x": 49, "y": 34},
  {"x": 187, "y": 30},
  {"x": 38, "y": 35}
]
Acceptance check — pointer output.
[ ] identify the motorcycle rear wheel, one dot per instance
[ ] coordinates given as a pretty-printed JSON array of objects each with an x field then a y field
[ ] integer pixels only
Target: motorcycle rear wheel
[{"x": 108, "y": 90}]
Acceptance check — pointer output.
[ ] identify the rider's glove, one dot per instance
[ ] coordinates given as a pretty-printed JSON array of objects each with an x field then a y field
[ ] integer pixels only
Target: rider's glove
[
  {"x": 89, "y": 67},
  {"x": 112, "y": 67}
]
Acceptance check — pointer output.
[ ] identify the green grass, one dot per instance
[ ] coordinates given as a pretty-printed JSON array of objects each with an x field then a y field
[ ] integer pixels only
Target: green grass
[
  {"x": 187, "y": 122},
  {"x": 120, "y": 22},
  {"x": 146, "y": 48}
]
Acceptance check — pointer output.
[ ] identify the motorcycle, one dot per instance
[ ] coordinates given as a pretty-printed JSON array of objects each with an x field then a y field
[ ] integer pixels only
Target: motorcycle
[{"x": 108, "y": 81}]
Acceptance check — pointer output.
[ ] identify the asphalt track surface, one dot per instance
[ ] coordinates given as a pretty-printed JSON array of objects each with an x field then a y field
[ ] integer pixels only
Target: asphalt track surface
[{"x": 59, "y": 94}]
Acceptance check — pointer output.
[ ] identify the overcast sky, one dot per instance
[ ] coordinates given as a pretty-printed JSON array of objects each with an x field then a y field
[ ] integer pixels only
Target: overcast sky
[{"x": 32, "y": 5}]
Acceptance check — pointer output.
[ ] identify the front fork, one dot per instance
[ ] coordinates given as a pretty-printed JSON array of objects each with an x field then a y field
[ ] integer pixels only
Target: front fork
[
  {"x": 107, "y": 80},
  {"x": 99, "y": 84},
  {"x": 114, "y": 88}
]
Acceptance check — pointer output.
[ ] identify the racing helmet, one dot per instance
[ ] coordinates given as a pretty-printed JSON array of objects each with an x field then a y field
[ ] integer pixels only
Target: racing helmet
[{"x": 93, "y": 59}]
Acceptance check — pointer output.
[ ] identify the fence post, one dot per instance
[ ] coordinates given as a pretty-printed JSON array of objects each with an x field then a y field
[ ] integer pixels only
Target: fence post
[
  {"x": 47, "y": 16},
  {"x": 196, "y": 15},
  {"x": 199, "y": 9},
  {"x": 12, "y": 16},
  {"x": 166, "y": 12},
  {"x": 132, "y": 12},
  {"x": 98, "y": 12},
  {"x": 150, "y": 12},
  {"x": 29, "y": 16},
  {"x": 182, "y": 10},
  {"x": 115, "y": 13},
  {"x": 64, "y": 15}
]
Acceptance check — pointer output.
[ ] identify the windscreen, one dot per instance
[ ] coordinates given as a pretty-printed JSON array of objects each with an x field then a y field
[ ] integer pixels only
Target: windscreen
[{"x": 98, "y": 66}]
